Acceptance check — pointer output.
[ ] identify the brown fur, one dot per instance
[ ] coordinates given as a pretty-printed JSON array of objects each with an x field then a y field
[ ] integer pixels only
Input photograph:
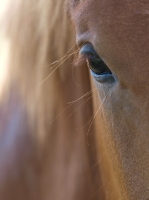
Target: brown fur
[{"x": 119, "y": 32}]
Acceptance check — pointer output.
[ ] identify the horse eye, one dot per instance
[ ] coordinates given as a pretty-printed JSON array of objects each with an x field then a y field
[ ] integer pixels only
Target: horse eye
[
  {"x": 98, "y": 68},
  {"x": 95, "y": 63}
]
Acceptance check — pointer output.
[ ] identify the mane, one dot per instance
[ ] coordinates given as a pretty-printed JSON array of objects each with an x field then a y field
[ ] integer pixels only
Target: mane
[{"x": 38, "y": 34}]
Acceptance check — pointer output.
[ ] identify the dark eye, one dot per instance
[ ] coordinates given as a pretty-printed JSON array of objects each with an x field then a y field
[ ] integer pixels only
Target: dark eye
[
  {"x": 98, "y": 68},
  {"x": 97, "y": 65}
]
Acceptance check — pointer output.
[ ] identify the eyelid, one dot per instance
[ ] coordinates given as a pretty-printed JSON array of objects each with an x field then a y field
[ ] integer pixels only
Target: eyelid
[{"x": 88, "y": 49}]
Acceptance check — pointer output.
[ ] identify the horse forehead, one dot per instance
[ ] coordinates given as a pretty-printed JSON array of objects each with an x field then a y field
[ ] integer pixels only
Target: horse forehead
[
  {"x": 126, "y": 18},
  {"x": 106, "y": 4},
  {"x": 107, "y": 9}
]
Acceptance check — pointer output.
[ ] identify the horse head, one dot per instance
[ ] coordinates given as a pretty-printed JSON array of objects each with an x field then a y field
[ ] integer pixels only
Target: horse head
[{"x": 113, "y": 40}]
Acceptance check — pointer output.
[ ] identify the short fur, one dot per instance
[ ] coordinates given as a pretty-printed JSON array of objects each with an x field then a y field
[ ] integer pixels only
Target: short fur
[{"x": 119, "y": 32}]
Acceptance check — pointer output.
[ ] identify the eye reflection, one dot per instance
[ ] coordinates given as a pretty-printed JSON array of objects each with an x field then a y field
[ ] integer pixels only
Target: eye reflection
[
  {"x": 94, "y": 62},
  {"x": 98, "y": 68}
]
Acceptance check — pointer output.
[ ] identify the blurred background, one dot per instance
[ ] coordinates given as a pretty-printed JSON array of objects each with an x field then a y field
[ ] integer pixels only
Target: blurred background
[
  {"x": 46, "y": 152},
  {"x": 3, "y": 46}
]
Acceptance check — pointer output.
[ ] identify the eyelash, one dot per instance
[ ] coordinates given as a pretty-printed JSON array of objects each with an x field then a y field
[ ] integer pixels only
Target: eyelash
[{"x": 98, "y": 68}]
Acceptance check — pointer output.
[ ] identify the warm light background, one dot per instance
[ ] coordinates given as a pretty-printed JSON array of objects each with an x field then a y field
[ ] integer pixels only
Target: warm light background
[{"x": 4, "y": 45}]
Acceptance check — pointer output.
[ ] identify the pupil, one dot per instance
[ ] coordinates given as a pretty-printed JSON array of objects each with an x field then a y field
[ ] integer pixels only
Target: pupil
[
  {"x": 95, "y": 63},
  {"x": 98, "y": 66}
]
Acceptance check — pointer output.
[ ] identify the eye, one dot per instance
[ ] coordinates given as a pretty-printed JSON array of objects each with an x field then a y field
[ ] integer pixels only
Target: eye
[
  {"x": 97, "y": 65},
  {"x": 98, "y": 68}
]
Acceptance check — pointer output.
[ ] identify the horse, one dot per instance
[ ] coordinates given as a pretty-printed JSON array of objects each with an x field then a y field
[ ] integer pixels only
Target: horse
[
  {"x": 113, "y": 40},
  {"x": 69, "y": 132},
  {"x": 45, "y": 108}
]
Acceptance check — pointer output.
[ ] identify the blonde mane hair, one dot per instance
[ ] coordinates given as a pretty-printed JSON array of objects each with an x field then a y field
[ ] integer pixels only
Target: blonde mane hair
[
  {"x": 63, "y": 163},
  {"x": 37, "y": 31}
]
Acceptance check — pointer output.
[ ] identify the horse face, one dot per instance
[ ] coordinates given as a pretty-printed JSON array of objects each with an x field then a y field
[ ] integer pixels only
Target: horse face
[{"x": 113, "y": 37}]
